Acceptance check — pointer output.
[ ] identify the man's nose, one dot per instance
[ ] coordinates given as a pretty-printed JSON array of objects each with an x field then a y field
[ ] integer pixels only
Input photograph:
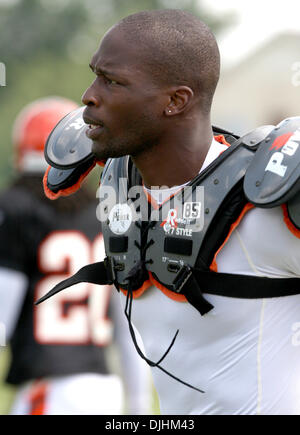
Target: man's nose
[{"x": 89, "y": 98}]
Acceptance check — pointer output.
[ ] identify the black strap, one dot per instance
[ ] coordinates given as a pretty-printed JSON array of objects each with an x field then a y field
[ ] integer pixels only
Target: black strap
[
  {"x": 128, "y": 311},
  {"x": 196, "y": 283},
  {"x": 246, "y": 286},
  {"x": 193, "y": 293},
  {"x": 193, "y": 282},
  {"x": 95, "y": 273}
]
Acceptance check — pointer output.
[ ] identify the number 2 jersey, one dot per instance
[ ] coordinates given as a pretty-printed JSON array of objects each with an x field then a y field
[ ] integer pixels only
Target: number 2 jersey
[{"x": 47, "y": 241}]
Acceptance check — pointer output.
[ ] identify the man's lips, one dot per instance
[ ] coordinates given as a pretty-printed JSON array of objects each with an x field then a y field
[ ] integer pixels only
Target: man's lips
[
  {"x": 95, "y": 127},
  {"x": 94, "y": 131}
]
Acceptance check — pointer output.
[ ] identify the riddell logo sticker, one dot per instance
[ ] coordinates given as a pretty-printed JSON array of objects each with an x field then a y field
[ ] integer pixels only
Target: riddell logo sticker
[
  {"x": 171, "y": 221},
  {"x": 289, "y": 143},
  {"x": 190, "y": 221}
]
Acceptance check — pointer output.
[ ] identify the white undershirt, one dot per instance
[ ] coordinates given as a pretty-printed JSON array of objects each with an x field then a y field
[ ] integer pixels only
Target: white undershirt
[
  {"x": 161, "y": 194},
  {"x": 245, "y": 352}
]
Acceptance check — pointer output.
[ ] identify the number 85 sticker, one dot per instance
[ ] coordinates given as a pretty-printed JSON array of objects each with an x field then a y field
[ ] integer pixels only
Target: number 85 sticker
[{"x": 192, "y": 210}]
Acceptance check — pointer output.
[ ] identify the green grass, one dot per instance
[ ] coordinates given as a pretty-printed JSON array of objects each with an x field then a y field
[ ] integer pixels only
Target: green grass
[{"x": 6, "y": 392}]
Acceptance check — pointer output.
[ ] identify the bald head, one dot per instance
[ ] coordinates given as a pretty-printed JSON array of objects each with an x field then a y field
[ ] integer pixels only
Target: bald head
[{"x": 177, "y": 49}]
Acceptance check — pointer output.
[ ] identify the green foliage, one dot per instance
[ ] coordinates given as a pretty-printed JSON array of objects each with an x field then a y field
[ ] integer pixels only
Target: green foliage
[
  {"x": 31, "y": 28},
  {"x": 46, "y": 46},
  {"x": 45, "y": 75},
  {"x": 7, "y": 392},
  {"x": 107, "y": 14}
]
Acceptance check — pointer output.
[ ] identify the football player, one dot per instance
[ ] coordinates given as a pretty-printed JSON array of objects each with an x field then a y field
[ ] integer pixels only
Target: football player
[
  {"x": 59, "y": 352},
  {"x": 227, "y": 290},
  {"x": 155, "y": 77}
]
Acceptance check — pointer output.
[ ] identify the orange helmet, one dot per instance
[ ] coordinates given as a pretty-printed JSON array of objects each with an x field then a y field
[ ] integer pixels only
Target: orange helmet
[{"x": 32, "y": 128}]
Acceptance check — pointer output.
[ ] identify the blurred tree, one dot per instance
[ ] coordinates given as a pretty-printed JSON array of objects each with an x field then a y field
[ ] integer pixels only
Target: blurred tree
[
  {"x": 103, "y": 14},
  {"x": 32, "y": 27},
  {"x": 46, "y": 46}
]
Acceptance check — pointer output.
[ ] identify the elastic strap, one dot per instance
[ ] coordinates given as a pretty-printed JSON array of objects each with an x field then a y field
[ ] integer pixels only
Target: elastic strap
[
  {"x": 95, "y": 273},
  {"x": 245, "y": 286}
]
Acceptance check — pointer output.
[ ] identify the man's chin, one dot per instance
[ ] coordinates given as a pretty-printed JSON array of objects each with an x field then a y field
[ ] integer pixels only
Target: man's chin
[
  {"x": 99, "y": 151},
  {"x": 104, "y": 152}
]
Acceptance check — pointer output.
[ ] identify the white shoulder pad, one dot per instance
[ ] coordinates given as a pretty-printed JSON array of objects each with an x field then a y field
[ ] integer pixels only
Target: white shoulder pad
[{"x": 273, "y": 176}]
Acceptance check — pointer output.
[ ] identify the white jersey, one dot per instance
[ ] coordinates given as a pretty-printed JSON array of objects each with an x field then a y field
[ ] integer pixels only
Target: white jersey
[{"x": 245, "y": 352}]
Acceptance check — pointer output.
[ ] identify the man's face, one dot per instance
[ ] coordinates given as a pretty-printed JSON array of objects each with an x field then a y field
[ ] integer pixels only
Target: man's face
[{"x": 124, "y": 106}]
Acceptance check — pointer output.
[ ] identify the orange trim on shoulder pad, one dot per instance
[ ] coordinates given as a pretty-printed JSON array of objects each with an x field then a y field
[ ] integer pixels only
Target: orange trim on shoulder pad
[
  {"x": 137, "y": 293},
  {"x": 247, "y": 207},
  {"x": 69, "y": 190},
  {"x": 150, "y": 199},
  {"x": 47, "y": 191},
  {"x": 101, "y": 162},
  {"x": 293, "y": 229},
  {"x": 153, "y": 282},
  {"x": 221, "y": 139},
  {"x": 172, "y": 295}
]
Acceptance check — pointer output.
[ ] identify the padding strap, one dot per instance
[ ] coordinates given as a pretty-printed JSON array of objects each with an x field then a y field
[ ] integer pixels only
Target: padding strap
[
  {"x": 246, "y": 286},
  {"x": 192, "y": 283},
  {"x": 69, "y": 184},
  {"x": 118, "y": 244},
  {"x": 193, "y": 293},
  {"x": 174, "y": 245},
  {"x": 96, "y": 273},
  {"x": 65, "y": 182}
]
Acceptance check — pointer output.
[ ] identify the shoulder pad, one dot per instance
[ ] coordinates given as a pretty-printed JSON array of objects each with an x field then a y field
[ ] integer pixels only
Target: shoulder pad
[
  {"x": 68, "y": 146},
  {"x": 64, "y": 182},
  {"x": 69, "y": 153},
  {"x": 273, "y": 177},
  {"x": 255, "y": 137}
]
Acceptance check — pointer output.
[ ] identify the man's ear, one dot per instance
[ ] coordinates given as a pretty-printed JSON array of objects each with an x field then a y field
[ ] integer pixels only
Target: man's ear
[{"x": 180, "y": 99}]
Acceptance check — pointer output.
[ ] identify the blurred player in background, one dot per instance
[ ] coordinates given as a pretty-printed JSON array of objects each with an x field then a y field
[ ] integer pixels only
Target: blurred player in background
[{"x": 59, "y": 358}]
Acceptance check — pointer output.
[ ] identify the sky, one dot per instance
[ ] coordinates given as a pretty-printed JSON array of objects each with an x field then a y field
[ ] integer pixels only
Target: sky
[{"x": 257, "y": 21}]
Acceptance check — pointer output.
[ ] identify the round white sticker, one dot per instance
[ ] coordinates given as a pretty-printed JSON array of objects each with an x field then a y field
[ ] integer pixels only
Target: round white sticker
[{"x": 120, "y": 218}]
